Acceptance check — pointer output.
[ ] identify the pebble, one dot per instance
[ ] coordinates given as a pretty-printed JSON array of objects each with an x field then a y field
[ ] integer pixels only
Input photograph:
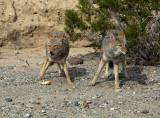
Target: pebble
[
  {"x": 82, "y": 97},
  {"x": 89, "y": 101},
  {"x": 99, "y": 95},
  {"x": 145, "y": 111},
  {"x": 86, "y": 105},
  {"x": 16, "y": 53},
  {"x": 103, "y": 105},
  {"x": 43, "y": 111},
  {"x": 9, "y": 99},
  {"x": 93, "y": 98},
  {"x": 111, "y": 109},
  {"x": 76, "y": 103},
  {"x": 28, "y": 115},
  {"x": 65, "y": 102}
]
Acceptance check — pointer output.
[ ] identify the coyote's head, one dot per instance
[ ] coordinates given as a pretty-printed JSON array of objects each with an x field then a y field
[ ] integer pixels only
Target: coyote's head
[
  {"x": 53, "y": 42},
  {"x": 117, "y": 43}
]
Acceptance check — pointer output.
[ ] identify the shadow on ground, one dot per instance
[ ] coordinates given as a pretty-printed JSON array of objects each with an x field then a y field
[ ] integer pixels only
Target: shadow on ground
[
  {"x": 135, "y": 74},
  {"x": 74, "y": 72}
]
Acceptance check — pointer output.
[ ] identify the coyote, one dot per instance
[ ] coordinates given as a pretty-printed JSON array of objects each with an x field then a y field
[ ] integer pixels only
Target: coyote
[
  {"x": 57, "y": 50},
  {"x": 112, "y": 50}
]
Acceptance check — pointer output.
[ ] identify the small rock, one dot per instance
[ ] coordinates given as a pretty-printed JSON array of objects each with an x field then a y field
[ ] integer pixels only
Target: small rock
[
  {"x": 75, "y": 60},
  {"x": 76, "y": 103},
  {"x": 66, "y": 90},
  {"x": 28, "y": 115},
  {"x": 99, "y": 95},
  {"x": 96, "y": 103},
  {"x": 89, "y": 101},
  {"x": 111, "y": 109},
  {"x": 93, "y": 98},
  {"x": 145, "y": 111},
  {"x": 22, "y": 104},
  {"x": 65, "y": 102},
  {"x": 9, "y": 99},
  {"x": 24, "y": 79},
  {"x": 65, "y": 105},
  {"x": 103, "y": 105},
  {"x": 43, "y": 111},
  {"x": 82, "y": 97},
  {"x": 85, "y": 105},
  {"x": 16, "y": 53}
]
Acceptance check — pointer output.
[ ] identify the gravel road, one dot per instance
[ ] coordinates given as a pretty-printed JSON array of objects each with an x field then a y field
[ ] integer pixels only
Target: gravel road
[{"x": 22, "y": 97}]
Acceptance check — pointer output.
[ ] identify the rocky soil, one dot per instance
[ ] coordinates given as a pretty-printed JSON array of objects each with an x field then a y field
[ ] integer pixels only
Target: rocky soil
[{"x": 22, "y": 97}]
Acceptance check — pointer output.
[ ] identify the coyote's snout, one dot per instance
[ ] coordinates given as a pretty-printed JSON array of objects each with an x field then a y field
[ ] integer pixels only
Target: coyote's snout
[
  {"x": 112, "y": 49},
  {"x": 57, "y": 50}
]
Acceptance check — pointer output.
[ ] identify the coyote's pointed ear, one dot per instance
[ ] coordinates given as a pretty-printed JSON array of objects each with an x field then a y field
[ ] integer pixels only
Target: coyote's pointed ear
[
  {"x": 121, "y": 37},
  {"x": 61, "y": 36},
  {"x": 50, "y": 36},
  {"x": 112, "y": 37},
  {"x": 121, "y": 33}
]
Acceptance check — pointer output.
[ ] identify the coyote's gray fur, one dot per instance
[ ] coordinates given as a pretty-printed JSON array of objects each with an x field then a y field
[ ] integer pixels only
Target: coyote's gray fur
[
  {"x": 57, "y": 50},
  {"x": 112, "y": 49}
]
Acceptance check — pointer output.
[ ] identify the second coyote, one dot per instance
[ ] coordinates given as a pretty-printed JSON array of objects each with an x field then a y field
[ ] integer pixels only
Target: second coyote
[
  {"x": 57, "y": 50},
  {"x": 112, "y": 50}
]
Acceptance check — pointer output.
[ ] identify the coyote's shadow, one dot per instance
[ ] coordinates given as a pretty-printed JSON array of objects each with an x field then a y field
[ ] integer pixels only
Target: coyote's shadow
[
  {"x": 75, "y": 72},
  {"x": 135, "y": 74}
]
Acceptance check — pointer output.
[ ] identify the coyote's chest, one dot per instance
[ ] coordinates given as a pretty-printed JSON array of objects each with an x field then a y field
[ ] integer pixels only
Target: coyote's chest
[
  {"x": 60, "y": 61},
  {"x": 109, "y": 57}
]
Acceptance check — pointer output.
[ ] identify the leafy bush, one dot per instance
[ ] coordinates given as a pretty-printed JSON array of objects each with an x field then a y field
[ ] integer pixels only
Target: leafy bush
[{"x": 133, "y": 14}]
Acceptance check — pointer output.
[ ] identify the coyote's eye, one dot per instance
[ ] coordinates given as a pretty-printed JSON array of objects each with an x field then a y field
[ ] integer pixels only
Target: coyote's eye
[
  {"x": 120, "y": 45},
  {"x": 55, "y": 46}
]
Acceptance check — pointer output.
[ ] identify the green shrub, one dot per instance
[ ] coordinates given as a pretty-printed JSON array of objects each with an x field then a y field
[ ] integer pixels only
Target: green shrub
[{"x": 133, "y": 14}]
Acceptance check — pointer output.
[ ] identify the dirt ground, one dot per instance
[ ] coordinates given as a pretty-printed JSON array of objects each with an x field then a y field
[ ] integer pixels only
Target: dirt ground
[
  {"x": 23, "y": 97},
  {"x": 33, "y": 56}
]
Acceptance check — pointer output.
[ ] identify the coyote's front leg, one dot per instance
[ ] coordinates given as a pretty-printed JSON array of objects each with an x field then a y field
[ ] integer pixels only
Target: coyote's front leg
[
  {"x": 116, "y": 72},
  {"x": 101, "y": 65},
  {"x": 67, "y": 74},
  {"x": 44, "y": 68}
]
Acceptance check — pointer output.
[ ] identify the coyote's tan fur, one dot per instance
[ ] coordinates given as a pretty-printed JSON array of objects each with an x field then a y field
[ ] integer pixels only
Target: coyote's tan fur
[
  {"x": 112, "y": 49},
  {"x": 57, "y": 50}
]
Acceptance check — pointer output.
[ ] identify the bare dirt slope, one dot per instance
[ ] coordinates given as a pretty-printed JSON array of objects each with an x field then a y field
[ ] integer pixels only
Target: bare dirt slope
[{"x": 27, "y": 23}]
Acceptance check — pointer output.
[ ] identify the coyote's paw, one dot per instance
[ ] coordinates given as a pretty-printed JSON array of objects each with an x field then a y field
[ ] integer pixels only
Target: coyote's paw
[
  {"x": 92, "y": 83},
  {"x": 70, "y": 83},
  {"x": 118, "y": 90},
  {"x": 39, "y": 78},
  {"x": 106, "y": 77},
  {"x": 60, "y": 73}
]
